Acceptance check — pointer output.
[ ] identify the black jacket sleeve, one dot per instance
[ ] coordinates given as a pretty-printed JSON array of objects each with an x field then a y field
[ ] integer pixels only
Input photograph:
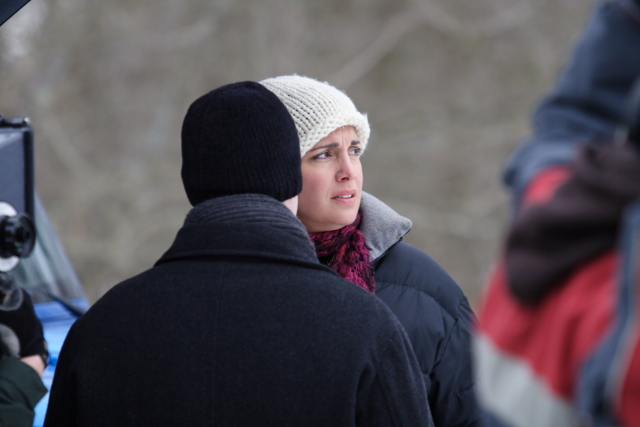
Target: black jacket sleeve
[
  {"x": 452, "y": 383},
  {"x": 20, "y": 390},
  {"x": 438, "y": 320}
]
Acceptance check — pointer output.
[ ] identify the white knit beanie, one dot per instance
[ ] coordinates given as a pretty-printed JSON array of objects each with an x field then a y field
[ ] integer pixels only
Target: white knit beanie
[{"x": 317, "y": 109}]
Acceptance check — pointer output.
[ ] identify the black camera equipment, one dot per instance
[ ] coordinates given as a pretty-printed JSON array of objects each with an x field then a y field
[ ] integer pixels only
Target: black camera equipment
[
  {"x": 21, "y": 332},
  {"x": 17, "y": 230},
  {"x": 17, "y": 211}
]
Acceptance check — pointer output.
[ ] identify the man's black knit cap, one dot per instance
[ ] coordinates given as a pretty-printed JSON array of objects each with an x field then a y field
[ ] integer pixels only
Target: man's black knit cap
[{"x": 239, "y": 139}]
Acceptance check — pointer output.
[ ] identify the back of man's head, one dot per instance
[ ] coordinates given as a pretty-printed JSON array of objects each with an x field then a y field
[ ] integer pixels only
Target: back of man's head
[{"x": 240, "y": 139}]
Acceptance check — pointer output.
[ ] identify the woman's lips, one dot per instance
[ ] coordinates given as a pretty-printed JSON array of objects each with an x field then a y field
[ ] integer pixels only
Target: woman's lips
[{"x": 346, "y": 197}]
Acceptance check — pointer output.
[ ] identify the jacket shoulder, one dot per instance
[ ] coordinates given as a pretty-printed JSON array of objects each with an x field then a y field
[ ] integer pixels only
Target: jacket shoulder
[
  {"x": 407, "y": 267},
  {"x": 437, "y": 318}
]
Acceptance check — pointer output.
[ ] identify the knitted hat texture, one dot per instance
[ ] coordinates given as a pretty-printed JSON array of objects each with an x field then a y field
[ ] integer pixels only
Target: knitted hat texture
[
  {"x": 239, "y": 139},
  {"x": 317, "y": 109}
]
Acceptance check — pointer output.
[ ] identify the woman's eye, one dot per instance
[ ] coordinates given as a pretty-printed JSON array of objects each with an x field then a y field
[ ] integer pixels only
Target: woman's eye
[
  {"x": 324, "y": 155},
  {"x": 355, "y": 151}
]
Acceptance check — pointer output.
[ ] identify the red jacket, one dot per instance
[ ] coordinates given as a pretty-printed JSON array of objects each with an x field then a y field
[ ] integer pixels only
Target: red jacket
[{"x": 530, "y": 359}]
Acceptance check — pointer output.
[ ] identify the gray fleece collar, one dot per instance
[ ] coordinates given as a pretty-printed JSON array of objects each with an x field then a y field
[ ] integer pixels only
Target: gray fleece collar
[{"x": 382, "y": 226}]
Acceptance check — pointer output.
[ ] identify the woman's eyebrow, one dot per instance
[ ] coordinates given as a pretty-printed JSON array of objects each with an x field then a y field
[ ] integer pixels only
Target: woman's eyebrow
[
  {"x": 333, "y": 145},
  {"x": 322, "y": 147}
]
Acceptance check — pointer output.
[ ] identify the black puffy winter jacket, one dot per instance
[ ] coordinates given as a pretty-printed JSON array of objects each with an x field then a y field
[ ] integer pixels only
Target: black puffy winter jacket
[{"x": 432, "y": 308}]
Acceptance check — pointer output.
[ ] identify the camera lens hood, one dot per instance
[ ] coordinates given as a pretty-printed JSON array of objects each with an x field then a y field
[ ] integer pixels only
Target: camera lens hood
[{"x": 17, "y": 236}]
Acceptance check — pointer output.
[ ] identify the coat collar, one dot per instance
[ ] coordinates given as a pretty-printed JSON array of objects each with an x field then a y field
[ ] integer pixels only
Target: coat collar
[
  {"x": 381, "y": 226},
  {"x": 260, "y": 241},
  {"x": 241, "y": 226}
]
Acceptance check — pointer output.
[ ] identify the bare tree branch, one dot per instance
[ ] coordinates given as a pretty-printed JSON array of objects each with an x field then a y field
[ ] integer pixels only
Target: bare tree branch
[
  {"x": 393, "y": 32},
  {"x": 67, "y": 153},
  {"x": 507, "y": 19},
  {"x": 431, "y": 13}
]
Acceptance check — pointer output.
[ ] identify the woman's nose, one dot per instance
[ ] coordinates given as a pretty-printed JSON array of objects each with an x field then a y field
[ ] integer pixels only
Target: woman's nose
[{"x": 346, "y": 171}]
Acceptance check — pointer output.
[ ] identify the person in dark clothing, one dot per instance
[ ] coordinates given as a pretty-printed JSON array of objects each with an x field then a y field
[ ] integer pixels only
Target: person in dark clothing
[
  {"x": 360, "y": 237},
  {"x": 23, "y": 357},
  {"x": 238, "y": 324}
]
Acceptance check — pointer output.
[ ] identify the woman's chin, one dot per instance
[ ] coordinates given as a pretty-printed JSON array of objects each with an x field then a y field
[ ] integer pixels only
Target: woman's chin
[
  {"x": 330, "y": 221},
  {"x": 342, "y": 221},
  {"x": 330, "y": 225}
]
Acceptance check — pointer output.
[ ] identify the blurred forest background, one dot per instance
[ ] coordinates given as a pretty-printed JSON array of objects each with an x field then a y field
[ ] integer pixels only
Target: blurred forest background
[{"x": 448, "y": 86}]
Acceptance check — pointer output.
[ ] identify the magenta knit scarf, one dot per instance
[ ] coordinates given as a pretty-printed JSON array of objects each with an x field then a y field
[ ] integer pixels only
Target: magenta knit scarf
[{"x": 345, "y": 252}]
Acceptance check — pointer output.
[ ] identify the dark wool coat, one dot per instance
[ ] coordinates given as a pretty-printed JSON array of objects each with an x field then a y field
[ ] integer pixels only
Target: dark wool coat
[
  {"x": 433, "y": 310},
  {"x": 237, "y": 325}
]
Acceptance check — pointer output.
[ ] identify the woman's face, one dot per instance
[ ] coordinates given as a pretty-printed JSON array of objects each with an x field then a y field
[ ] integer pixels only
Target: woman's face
[{"x": 331, "y": 182}]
